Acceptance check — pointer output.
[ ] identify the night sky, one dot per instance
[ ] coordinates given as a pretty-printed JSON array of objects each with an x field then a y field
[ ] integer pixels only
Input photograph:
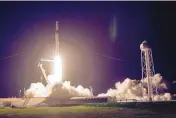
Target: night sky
[{"x": 87, "y": 29}]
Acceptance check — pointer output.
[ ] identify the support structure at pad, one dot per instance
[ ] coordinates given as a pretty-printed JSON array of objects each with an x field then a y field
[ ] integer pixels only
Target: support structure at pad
[{"x": 148, "y": 71}]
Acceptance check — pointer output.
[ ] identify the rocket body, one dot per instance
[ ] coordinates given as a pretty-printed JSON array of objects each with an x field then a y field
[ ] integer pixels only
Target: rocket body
[
  {"x": 57, "y": 60},
  {"x": 57, "y": 39}
]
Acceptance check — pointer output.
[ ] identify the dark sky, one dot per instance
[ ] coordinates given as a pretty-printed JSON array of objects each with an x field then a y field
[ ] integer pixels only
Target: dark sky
[{"x": 27, "y": 29}]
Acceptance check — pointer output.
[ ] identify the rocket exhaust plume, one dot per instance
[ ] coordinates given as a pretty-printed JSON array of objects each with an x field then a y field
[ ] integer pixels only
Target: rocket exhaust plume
[
  {"x": 58, "y": 68},
  {"x": 57, "y": 76}
]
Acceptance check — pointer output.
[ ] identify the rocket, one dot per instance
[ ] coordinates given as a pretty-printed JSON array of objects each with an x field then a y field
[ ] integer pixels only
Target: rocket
[
  {"x": 56, "y": 50},
  {"x": 57, "y": 39}
]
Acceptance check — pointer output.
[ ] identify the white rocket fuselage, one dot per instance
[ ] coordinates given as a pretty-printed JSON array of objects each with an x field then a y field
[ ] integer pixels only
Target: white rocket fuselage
[
  {"x": 57, "y": 39},
  {"x": 56, "y": 51}
]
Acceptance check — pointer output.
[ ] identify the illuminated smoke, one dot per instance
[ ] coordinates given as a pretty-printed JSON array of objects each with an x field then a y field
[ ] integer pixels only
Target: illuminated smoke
[
  {"x": 39, "y": 90},
  {"x": 78, "y": 91},
  {"x": 132, "y": 89},
  {"x": 157, "y": 81},
  {"x": 128, "y": 89},
  {"x": 163, "y": 97}
]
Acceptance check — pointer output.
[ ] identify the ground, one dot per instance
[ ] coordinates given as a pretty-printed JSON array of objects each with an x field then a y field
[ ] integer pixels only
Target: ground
[{"x": 82, "y": 112}]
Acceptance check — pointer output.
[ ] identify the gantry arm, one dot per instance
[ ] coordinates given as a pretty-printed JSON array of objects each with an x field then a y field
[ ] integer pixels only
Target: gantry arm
[{"x": 43, "y": 71}]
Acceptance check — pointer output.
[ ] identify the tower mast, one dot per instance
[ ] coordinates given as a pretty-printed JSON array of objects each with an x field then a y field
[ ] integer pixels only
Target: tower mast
[{"x": 147, "y": 67}]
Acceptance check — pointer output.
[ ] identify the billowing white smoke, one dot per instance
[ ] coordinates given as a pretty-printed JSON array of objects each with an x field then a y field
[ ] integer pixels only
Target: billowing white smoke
[
  {"x": 157, "y": 81},
  {"x": 38, "y": 90},
  {"x": 162, "y": 97},
  {"x": 78, "y": 91},
  {"x": 128, "y": 89},
  {"x": 132, "y": 89}
]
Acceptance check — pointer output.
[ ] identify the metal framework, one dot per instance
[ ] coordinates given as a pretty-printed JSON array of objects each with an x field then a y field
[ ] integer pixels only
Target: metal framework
[{"x": 148, "y": 71}]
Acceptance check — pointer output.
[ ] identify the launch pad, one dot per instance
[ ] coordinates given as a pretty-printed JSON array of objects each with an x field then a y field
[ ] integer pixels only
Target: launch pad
[{"x": 65, "y": 94}]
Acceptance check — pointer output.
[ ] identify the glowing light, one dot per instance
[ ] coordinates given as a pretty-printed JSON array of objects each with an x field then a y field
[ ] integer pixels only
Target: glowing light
[
  {"x": 58, "y": 69},
  {"x": 37, "y": 90}
]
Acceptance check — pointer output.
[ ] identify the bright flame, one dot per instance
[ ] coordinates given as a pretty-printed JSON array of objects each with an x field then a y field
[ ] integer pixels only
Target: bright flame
[{"x": 57, "y": 69}]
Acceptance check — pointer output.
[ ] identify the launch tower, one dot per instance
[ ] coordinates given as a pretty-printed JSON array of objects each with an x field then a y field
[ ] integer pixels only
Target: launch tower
[{"x": 147, "y": 67}]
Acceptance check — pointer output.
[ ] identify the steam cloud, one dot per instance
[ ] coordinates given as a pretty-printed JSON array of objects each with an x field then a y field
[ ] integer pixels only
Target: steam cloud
[
  {"x": 60, "y": 91},
  {"x": 128, "y": 89},
  {"x": 78, "y": 91},
  {"x": 39, "y": 90},
  {"x": 132, "y": 89}
]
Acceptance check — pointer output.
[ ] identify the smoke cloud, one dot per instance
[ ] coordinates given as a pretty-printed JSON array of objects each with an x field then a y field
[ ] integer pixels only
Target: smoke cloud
[
  {"x": 157, "y": 82},
  {"x": 128, "y": 89},
  {"x": 37, "y": 90},
  {"x": 78, "y": 91},
  {"x": 55, "y": 87},
  {"x": 64, "y": 89},
  {"x": 133, "y": 89}
]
